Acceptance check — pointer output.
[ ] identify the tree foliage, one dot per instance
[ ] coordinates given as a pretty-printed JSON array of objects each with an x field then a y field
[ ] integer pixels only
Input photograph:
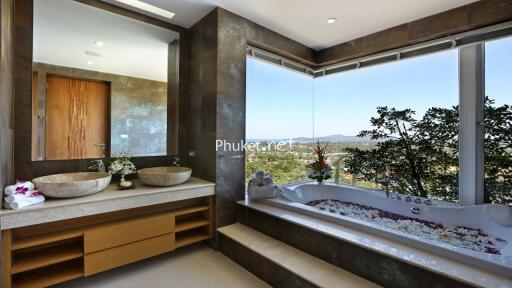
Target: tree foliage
[{"x": 420, "y": 157}]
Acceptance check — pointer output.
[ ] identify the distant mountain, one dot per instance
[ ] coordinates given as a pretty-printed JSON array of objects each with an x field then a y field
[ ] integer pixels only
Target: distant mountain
[
  {"x": 333, "y": 138},
  {"x": 330, "y": 138}
]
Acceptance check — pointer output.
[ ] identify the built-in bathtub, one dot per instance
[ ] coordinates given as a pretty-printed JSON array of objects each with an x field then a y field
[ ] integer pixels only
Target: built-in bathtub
[{"x": 494, "y": 220}]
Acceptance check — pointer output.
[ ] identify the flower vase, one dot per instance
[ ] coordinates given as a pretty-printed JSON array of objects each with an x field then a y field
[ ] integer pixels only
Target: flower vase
[{"x": 319, "y": 181}]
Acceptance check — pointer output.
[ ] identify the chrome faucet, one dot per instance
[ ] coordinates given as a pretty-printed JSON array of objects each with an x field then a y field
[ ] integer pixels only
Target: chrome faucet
[
  {"x": 98, "y": 164},
  {"x": 175, "y": 160}
]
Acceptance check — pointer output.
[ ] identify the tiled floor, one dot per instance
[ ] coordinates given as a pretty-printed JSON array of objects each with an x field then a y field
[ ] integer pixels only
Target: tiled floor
[{"x": 196, "y": 266}]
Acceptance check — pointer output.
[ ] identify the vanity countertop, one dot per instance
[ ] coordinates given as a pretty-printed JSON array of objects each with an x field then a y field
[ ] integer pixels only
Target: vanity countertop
[{"x": 106, "y": 201}]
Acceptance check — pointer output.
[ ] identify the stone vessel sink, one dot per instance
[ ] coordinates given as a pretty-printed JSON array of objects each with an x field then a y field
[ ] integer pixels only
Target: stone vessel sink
[
  {"x": 70, "y": 185},
  {"x": 164, "y": 176}
]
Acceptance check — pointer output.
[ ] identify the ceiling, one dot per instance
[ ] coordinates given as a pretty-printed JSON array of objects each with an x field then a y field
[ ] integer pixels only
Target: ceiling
[
  {"x": 65, "y": 30},
  {"x": 305, "y": 20}
]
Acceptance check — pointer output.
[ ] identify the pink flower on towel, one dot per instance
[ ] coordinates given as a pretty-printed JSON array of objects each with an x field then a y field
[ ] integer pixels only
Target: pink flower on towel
[
  {"x": 21, "y": 190},
  {"x": 37, "y": 193}
]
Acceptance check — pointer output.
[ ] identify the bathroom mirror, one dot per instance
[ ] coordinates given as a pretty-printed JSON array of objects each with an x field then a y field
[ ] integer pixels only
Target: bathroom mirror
[{"x": 99, "y": 83}]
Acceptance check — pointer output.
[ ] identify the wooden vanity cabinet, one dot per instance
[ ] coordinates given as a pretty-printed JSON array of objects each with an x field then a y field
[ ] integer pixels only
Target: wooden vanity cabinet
[
  {"x": 117, "y": 233},
  {"x": 51, "y": 253},
  {"x": 129, "y": 253}
]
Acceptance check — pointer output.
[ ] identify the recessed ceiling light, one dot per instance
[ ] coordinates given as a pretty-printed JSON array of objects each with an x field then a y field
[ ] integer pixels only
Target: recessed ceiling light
[
  {"x": 148, "y": 7},
  {"x": 92, "y": 53},
  {"x": 331, "y": 20},
  {"x": 89, "y": 62},
  {"x": 99, "y": 43}
]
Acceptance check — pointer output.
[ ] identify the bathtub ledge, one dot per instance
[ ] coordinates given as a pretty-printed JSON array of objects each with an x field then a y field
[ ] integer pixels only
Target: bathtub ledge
[{"x": 417, "y": 257}]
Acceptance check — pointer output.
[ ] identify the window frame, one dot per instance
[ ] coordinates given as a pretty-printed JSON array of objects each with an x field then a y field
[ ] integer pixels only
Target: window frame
[{"x": 471, "y": 49}]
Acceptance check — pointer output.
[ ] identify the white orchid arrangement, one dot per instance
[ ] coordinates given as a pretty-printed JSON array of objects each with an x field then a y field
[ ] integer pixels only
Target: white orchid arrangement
[
  {"x": 319, "y": 170},
  {"x": 121, "y": 165}
]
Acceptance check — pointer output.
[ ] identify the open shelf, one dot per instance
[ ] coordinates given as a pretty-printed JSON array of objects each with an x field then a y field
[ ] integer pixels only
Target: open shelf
[
  {"x": 50, "y": 275},
  {"x": 191, "y": 236},
  {"x": 190, "y": 221},
  {"x": 46, "y": 256},
  {"x": 40, "y": 256},
  {"x": 190, "y": 210},
  {"x": 31, "y": 241}
]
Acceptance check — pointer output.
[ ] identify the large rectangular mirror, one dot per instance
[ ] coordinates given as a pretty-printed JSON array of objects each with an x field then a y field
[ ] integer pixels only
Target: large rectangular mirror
[{"x": 99, "y": 83}]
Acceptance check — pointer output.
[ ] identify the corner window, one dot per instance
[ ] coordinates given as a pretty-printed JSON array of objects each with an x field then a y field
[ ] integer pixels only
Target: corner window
[
  {"x": 393, "y": 123},
  {"x": 498, "y": 121},
  {"x": 279, "y": 105}
]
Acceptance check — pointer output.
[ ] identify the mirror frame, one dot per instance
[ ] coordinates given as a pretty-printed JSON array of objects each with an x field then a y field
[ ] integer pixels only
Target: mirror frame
[{"x": 27, "y": 168}]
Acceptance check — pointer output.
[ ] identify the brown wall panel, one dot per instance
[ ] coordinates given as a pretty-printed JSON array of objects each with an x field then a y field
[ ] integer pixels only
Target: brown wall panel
[
  {"x": 216, "y": 107},
  {"x": 201, "y": 105},
  {"x": 6, "y": 94},
  {"x": 22, "y": 91}
]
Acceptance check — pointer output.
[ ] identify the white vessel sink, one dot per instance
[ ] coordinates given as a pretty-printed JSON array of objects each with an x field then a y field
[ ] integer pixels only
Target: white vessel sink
[
  {"x": 69, "y": 185},
  {"x": 164, "y": 176}
]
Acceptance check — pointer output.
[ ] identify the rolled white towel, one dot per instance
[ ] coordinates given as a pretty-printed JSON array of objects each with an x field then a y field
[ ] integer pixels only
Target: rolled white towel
[
  {"x": 34, "y": 199},
  {"x": 9, "y": 190},
  {"x": 267, "y": 181},
  {"x": 18, "y": 196},
  {"x": 20, "y": 186},
  {"x": 263, "y": 192}
]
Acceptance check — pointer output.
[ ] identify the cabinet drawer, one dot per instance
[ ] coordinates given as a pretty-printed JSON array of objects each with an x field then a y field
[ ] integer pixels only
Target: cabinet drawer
[
  {"x": 129, "y": 253},
  {"x": 127, "y": 231}
]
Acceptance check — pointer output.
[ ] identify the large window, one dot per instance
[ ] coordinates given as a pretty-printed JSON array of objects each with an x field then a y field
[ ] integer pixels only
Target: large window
[
  {"x": 278, "y": 107},
  {"x": 397, "y": 125},
  {"x": 498, "y": 121},
  {"x": 415, "y": 98},
  {"x": 405, "y": 112}
]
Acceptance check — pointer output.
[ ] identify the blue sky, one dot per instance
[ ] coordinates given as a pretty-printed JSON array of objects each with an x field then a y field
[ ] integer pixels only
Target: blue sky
[{"x": 283, "y": 103}]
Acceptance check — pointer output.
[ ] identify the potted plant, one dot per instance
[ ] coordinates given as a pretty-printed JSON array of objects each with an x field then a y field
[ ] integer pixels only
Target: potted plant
[
  {"x": 121, "y": 165},
  {"x": 319, "y": 170}
]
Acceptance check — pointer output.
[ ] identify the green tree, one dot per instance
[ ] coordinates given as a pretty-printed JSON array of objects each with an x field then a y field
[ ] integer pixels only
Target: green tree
[
  {"x": 420, "y": 157},
  {"x": 498, "y": 153}
]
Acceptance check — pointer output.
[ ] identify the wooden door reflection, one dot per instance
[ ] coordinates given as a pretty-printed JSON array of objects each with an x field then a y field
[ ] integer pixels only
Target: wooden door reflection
[{"x": 76, "y": 118}]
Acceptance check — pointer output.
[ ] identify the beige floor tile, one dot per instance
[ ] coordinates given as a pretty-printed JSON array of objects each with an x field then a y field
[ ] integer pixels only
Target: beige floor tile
[{"x": 190, "y": 267}]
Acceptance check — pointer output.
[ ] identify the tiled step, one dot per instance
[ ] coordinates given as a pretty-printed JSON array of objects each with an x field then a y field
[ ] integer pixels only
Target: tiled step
[{"x": 253, "y": 245}]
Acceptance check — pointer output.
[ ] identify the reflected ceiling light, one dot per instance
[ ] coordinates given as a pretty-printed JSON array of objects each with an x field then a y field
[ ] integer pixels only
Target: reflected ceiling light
[
  {"x": 148, "y": 7},
  {"x": 89, "y": 62},
  {"x": 99, "y": 43},
  {"x": 92, "y": 53},
  {"x": 331, "y": 20}
]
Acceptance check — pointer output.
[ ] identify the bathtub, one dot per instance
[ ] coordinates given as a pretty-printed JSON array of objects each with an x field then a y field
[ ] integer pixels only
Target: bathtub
[{"x": 493, "y": 219}]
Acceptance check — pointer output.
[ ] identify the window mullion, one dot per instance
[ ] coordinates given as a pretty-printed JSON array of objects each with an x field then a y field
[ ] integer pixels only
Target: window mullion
[{"x": 471, "y": 128}]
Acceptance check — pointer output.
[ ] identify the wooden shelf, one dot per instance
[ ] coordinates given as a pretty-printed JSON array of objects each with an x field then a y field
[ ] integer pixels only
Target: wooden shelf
[
  {"x": 40, "y": 256},
  {"x": 46, "y": 256},
  {"x": 46, "y": 238},
  {"x": 190, "y": 210},
  {"x": 190, "y": 237},
  {"x": 190, "y": 223},
  {"x": 49, "y": 276}
]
